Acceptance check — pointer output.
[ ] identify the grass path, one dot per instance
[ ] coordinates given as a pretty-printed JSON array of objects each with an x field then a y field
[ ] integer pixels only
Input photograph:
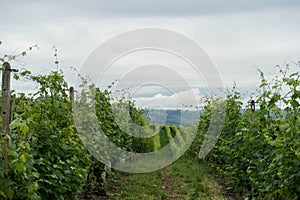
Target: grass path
[{"x": 184, "y": 179}]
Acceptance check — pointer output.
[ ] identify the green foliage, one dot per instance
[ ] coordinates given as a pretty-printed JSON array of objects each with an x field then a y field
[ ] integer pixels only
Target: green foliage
[
  {"x": 202, "y": 128},
  {"x": 258, "y": 152},
  {"x": 46, "y": 158},
  {"x": 118, "y": 119},
  {"x": 21, "y": 181}
]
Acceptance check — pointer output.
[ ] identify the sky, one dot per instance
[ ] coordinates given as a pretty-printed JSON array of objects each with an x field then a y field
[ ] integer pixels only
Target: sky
[{"x": 238, "y": 37}]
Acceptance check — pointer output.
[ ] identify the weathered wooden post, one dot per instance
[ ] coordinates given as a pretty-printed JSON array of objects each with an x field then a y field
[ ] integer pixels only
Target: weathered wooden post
[
  {"x": 5, "y": 111},
  {"x": 252, "y": 102},
  {"x": 71, "y": 90}
]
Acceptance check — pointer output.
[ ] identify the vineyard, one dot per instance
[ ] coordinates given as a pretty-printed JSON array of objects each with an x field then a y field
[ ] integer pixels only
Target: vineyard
[{"x": 257, "y": 155}]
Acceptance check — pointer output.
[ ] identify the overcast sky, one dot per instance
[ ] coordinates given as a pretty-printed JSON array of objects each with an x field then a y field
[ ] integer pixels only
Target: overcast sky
[{"x": 238, "y": 36}]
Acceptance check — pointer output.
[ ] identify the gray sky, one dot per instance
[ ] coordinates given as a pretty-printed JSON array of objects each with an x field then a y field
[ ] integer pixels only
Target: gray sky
[{"x": 239, "y": 36}]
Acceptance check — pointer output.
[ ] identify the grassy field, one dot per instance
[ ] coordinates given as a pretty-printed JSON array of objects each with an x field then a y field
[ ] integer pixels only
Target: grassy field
[{"x": 184, "y": 179}]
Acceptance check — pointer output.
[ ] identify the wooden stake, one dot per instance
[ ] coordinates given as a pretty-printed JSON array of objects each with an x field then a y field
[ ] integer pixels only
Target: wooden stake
[
  {"x": 252, "y": 105},
  {"x": 72, "y": 96},
  {"x": 5, "y": 111}
]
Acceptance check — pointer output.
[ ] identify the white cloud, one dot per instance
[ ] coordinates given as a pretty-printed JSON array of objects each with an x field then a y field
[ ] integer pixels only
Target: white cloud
[{"x": 181, "y": 99}]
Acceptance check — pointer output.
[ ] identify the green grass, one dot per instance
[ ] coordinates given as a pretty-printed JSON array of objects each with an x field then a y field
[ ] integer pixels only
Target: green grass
[
  {"x": 184, "y": 179},
  {"x": 138, "y": 186}
]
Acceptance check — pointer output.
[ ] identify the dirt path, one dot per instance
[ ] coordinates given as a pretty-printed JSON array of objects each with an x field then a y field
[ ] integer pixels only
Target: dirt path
[
  {"x": 167, "y": 186},
  {"x": 184, "y": 179}
]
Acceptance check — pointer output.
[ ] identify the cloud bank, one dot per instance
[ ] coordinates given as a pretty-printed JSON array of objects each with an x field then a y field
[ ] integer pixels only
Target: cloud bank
[{"x": 183, "y": 99}]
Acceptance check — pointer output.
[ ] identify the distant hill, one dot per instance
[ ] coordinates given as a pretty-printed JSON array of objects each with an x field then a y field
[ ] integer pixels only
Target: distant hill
[{"x": 172, "y": 117}]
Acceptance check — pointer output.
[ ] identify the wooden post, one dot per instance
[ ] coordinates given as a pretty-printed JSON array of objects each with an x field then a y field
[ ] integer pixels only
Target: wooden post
[
  {"x": 5, "y": 111},
  {"x": 72, "y": 96},
  {"x": 252, "y": 105},
  {"x": 13, "y": 104}
]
